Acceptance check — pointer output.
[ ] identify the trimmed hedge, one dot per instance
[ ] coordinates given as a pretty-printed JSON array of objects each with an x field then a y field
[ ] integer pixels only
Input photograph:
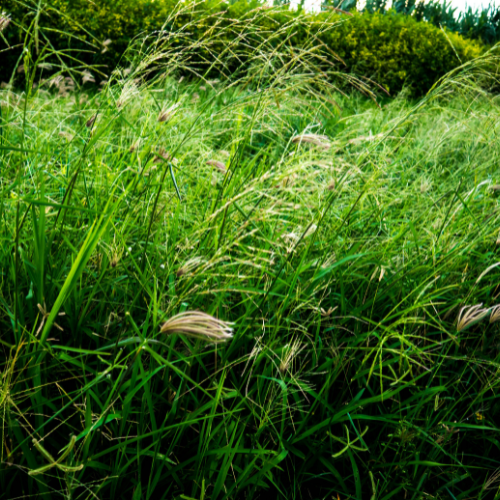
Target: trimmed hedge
[{"x": 392, "y": 49}]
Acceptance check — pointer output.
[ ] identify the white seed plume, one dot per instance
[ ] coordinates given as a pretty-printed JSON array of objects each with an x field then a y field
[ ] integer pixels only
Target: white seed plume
[{"x": 198, "y": 325}]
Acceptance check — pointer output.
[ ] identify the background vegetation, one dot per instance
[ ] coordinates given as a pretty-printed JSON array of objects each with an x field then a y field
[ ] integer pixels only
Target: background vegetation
[
  {"x": 393, "y": 50},
  {"x": 351, "y": 246},
  {"x": 477, "y": 24}
]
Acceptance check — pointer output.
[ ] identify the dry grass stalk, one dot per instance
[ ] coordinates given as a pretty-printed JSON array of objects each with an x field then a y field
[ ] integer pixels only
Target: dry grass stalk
[
  {"x": 198, "y": 325},
  {"x": 45, "y": 315},
  {"x": 470, "y": 315},
  {"x": 219, "y": 165},
  {"x": 321, "y": 141},
  {"x": 166, "y": 114},
  {"x": 496, "y": 187}
]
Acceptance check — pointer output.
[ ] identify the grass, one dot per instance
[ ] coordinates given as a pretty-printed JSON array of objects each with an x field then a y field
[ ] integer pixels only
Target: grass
[{"x": 343, "y": 241}]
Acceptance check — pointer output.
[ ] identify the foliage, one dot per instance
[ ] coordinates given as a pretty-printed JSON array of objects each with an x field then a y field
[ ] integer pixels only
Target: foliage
[
  {"x": 479, "y": 24},
  {"x": 344, "y": 241},
  {"x": 394, "y": 50}
]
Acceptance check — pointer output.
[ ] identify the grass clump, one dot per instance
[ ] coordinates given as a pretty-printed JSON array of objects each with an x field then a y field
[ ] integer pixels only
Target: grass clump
[{"x": 331, "y": 243}]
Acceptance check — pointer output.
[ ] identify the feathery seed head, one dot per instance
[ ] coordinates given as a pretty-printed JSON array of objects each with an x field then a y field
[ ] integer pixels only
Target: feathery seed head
[
  {"x": 198, "y": 325},
  {"x": 4, "y": 21},
  {"x": 321, "y": 141},
  {"x": 87, "y": 77},
  {"x": 128, "y": 92},
  {"x": 470, "y": 315},
  {"x": 495, "y": 314},
  {"x": 168, "y": 113},
  {"x": 189, "y": 266}
]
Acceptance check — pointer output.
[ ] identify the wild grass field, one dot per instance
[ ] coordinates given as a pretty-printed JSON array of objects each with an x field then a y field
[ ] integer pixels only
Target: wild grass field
[{"x": 266, "y": 288}]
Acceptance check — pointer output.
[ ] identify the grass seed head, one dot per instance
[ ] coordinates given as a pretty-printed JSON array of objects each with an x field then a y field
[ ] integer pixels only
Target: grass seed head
[
  {"x": 134, "y": 146},
  {"x": 198, "y": 325},
  {"x": 91, "y": 121},
  {"x": 87, "y": 77},
  {"x": 219, "y": 165},
  {"x": 4, "y": 21},
  {"x": 166, "y": 114},
  {"x": 162, "y": 155},
  {"x": 105, "y": 45},
  {"x": 495, "y": 314},
  {"x": 321, "y": 141},
  {"x": 470, "y": 315},
  {"x": 69, "y": 137},
  {"x": 129, "y": 91},
  {"x": 189, "y": 267}
]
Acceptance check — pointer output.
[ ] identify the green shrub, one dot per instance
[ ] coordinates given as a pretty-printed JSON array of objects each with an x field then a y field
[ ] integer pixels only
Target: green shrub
[{"x": 392, "y": 50}]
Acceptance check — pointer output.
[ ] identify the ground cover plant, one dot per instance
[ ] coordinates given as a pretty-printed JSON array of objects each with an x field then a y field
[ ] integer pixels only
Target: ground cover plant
[{"x": 251, "y": 288}]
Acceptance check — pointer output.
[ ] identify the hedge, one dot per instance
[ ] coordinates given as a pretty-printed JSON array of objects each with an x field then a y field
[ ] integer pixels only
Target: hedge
[{"x": 392, "y": 49}]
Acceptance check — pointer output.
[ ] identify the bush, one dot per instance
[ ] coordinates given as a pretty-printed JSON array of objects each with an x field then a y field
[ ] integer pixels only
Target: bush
[{"x": 393, "y": 50}]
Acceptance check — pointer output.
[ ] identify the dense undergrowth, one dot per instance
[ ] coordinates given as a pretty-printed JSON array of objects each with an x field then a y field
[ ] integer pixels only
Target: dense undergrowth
[{"x": 345, "y": 242}]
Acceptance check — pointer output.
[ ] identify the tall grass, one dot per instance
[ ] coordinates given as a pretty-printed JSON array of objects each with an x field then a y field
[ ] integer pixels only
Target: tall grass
[{"x": 345, "y": 242}]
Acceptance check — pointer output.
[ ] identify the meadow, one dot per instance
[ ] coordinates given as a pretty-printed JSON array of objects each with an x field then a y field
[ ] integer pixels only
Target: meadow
[{"x": 275, "y": 286}]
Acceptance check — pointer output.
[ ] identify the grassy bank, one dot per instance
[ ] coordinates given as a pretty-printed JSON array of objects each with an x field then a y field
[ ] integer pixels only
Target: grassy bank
[{"x": 341, "y": 240}]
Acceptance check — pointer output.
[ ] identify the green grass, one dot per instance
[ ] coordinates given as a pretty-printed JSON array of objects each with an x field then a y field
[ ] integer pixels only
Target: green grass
[{"x": 343, "y": 270}]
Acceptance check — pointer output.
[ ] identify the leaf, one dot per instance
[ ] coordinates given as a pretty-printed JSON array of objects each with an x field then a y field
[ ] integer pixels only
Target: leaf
[{"x": 109, "y": 418}]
